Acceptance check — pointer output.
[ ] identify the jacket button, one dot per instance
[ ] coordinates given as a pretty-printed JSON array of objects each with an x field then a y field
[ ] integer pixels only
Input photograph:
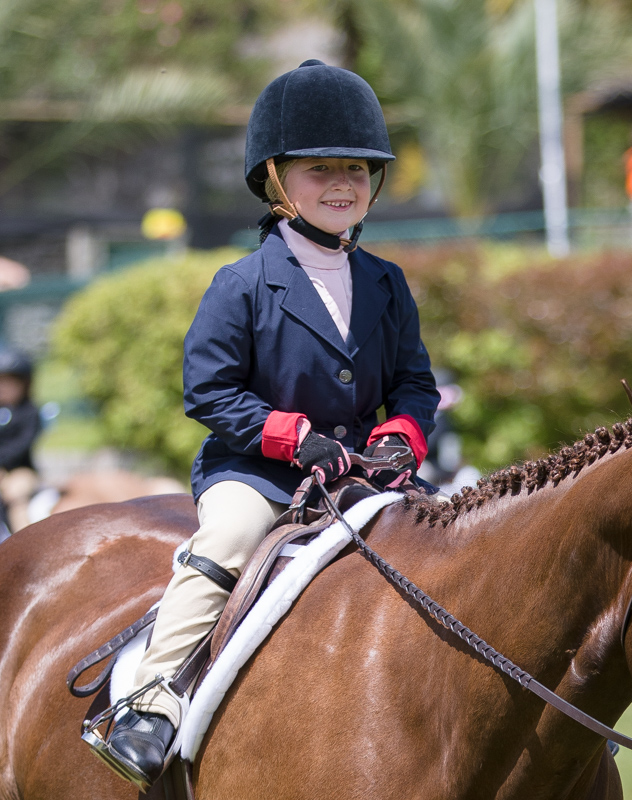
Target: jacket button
[
  {"x": 345, "y": 376},
  {"x": 340, "y": 431}
]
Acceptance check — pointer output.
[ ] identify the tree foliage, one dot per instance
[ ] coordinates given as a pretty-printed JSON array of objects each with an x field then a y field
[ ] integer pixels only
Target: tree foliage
[
  {"x": 459, "y": 76},
  {"x": 53, "y": 50},
  {"x": 539, "y": 346},
  {"x": 123, "y": 338},
  {"x": 108, "y": 74}
]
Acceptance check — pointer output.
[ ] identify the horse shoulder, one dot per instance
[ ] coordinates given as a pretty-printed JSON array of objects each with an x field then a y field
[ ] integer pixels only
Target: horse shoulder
[{"x": 67, "y": 585}]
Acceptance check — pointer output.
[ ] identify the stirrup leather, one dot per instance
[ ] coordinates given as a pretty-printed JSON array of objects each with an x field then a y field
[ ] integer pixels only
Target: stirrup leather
[{"x": 99, "y": 742}]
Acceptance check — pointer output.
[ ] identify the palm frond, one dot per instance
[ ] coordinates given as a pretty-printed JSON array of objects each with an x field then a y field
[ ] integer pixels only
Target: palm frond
[{"x": 165, "y": 95}]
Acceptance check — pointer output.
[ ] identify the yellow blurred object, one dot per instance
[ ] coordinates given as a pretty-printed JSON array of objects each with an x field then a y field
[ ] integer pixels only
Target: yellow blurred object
[
  {"x": 498, "y": 7},
  {"x": 163, "y": 223},
  {"x": 408, "y": 174}
]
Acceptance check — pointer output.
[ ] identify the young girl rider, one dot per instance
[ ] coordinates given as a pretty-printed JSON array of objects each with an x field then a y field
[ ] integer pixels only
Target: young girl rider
[{"x": 291, "y": 353}]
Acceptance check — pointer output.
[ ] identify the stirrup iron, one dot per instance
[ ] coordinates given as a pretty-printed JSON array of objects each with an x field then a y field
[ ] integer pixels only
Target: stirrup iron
[{"x": 99, "y": 741}]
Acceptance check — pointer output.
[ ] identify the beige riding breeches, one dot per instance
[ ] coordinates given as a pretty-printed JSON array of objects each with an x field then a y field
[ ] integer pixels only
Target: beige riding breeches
[
  {"x": 234, "y": 518},
  {"x": 17, "y": 487}
]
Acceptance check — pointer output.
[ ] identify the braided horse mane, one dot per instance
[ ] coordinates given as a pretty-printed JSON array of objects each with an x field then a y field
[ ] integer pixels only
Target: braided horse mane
[{"x": 531, "y": 476}]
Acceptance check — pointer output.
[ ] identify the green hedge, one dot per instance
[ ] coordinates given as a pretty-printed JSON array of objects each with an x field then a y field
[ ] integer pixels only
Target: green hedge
[
  {"x": 539, "y": 346},
  {"x": 123, "y": 337}
]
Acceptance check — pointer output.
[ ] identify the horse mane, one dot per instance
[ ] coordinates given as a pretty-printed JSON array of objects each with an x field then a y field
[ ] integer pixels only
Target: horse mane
[{"x": 532, "y": 475}]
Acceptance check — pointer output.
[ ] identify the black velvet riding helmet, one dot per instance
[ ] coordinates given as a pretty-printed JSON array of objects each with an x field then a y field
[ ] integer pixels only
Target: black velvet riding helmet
[{"x": 314, "y": 110}]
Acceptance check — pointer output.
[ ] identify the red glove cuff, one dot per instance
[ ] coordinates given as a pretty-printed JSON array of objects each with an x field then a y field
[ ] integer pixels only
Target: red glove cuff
[
  {"x": 280, "y": 434},
  {"x": 405, "y": 426}
]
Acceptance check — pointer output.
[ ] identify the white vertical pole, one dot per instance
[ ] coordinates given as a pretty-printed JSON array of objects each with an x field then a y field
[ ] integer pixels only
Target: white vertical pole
[{"x": 553, "y": 169}]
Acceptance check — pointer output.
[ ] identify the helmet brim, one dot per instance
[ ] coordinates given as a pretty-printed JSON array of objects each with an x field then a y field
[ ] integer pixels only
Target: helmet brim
[{"x": 340, "y": 152}]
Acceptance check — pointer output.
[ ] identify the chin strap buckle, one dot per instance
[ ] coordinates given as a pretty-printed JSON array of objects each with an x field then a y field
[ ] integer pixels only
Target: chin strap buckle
[{"x": 351, "y": 244}]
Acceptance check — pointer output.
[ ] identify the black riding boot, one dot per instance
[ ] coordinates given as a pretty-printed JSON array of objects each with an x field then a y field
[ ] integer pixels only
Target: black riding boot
[{"x": 140, "y": 741}]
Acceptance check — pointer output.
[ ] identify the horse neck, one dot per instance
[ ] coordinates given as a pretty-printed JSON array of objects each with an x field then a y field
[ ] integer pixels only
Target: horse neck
[
  {"x": 543, "y": 577},
  {"x": 567, "y": 552},
  {"x": 569, "y": 547}
]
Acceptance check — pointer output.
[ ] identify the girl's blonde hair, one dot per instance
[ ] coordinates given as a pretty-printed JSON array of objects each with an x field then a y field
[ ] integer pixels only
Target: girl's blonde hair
[{"x": 282, "y": 170}]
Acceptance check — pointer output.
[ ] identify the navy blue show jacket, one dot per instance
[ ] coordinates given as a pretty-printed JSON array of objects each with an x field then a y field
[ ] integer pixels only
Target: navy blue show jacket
[{"x": 263, "y": 340}]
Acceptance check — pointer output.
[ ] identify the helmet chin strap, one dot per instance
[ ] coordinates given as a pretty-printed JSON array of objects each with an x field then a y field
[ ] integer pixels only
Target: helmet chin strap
[{"x": 285, "y": 208}]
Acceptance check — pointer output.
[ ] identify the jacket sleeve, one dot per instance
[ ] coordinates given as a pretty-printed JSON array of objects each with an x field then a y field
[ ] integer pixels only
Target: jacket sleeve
[
  {"x": 218, "y": 362},
  {"x": 412, "y": 390}
]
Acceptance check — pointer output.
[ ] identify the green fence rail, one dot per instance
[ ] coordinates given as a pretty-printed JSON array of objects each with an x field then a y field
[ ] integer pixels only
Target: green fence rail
[{"x": 586, "y": 227}]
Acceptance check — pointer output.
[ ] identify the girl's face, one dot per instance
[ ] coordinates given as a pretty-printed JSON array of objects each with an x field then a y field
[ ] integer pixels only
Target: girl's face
[
  {"x": 332, "y": 194},
  {"x": 12, "y": 389}
]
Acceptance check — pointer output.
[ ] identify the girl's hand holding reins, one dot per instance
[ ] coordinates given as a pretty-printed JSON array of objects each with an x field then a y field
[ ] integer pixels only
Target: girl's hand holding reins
[
  {"x": 400, "y": 431},
  {"x": 317, "y": 453},
  {"x": 288, "y": 436},
  {"x": 390, "y": 478}
]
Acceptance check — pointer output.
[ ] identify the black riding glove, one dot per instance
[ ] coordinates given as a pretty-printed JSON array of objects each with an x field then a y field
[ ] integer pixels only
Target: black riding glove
[
  {"x": 317, "y": 453},
  {"x": 389, "y": 478}
]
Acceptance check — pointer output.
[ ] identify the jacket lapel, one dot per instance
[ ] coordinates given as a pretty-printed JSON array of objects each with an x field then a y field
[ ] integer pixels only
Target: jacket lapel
[
  {"x": 370, "y": 299},
  {"x": 300, "y": 298}
]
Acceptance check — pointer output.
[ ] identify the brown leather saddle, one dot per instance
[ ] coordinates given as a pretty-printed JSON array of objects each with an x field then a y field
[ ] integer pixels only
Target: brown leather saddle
[{"x": 300, "y": 521}]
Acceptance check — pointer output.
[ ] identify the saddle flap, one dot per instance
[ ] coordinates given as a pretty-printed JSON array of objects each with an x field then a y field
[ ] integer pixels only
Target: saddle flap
[
  {"x": 254, "y": 576},
  {"x": 265, "y": 564}
]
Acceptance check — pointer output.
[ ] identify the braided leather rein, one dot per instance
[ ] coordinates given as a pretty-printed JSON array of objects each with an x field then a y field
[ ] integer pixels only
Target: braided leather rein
[{"x": 452, "y": 624}]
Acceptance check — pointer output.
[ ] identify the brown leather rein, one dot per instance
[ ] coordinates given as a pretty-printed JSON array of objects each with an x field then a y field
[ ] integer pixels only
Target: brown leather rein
[{"x": 452, "y": 624}]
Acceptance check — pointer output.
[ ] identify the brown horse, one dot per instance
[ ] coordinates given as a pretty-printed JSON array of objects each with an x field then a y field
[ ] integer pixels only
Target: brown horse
[{"x": 357, "y": 693}]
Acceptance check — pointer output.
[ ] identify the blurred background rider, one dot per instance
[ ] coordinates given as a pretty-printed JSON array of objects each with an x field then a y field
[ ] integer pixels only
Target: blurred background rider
[{"x": 20, "y": 426}]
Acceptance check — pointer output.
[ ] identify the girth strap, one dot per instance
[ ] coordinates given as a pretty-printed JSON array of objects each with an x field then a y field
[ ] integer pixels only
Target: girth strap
[{"x": 211, "y": 569}]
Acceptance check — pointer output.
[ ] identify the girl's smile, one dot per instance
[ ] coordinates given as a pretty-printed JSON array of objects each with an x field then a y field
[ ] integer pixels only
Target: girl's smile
[{"x": 332, "y": 194}]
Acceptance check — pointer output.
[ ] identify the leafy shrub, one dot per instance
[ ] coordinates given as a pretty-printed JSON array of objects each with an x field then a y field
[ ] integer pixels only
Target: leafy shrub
[
  {"x": 606, "y": 139},
  {"x": 123, "y": 336},
  {"x": 539, "y": 348}
]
